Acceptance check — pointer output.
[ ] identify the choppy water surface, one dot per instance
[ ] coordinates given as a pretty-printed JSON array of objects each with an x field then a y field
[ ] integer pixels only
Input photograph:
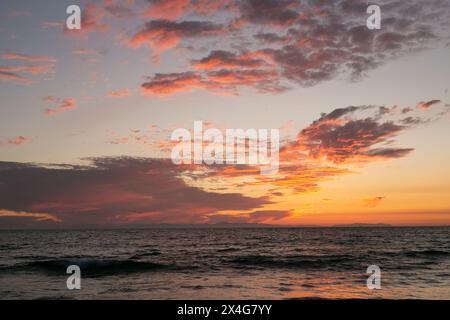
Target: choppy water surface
[{"x": 276, "y": 263}]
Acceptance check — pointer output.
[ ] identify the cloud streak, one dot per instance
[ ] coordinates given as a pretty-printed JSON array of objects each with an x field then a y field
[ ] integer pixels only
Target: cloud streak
[{"x": 60, "y": 105}]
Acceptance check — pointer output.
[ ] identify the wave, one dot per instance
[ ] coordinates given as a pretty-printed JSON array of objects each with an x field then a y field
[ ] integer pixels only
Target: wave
[
  {"x": 427, "y": 253},
  {"x": 230, "y": 249},
  {"x": 296, "y": 262},
  {"x": 139, "y": 255},
  {"x": 93, "y": 267}
]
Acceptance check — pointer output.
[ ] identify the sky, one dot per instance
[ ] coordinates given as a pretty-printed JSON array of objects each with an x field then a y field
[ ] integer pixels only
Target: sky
[{"x": 86, "y": 115}]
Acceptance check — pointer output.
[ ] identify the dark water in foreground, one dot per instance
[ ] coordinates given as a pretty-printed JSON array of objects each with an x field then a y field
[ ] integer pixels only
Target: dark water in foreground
[{"x": 226, "y": 263}]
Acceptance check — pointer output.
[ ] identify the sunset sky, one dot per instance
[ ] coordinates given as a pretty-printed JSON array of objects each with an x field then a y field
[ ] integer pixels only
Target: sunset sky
[{"x": 86, "y": 115}]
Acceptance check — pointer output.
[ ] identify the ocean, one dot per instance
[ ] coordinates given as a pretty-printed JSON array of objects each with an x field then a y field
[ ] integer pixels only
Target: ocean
[{"x": 227, "y": 263}]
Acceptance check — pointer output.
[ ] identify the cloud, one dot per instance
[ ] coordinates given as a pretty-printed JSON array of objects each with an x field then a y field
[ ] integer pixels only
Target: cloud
[
  {"x": 119, "y": 93},
  {"x": 15, "y": 73},
  {"x": 270, "y": 38},
  {"x": 113, "y": 190},
  {"x": 221, "y": 72},
  {"x": 222, "y": 81},
  {"x": 19, "y": 140},
  {"x": 407, "y": 110},
  {"x": 119, "y": 11},
  {"x": 427, "y": 105},
  {"x": 91, "y": 21},
  {"x": 340, "y": 137},
  {"x": 31, "y": 69},
  {"x": 143, "y": 190},
  {"x": 174, "y": 9},
  {"x": 33, "y": 215},
  {"x": 13, "y": 77},
  {"x": 279, "y": 13},
  {"x": 259, "y": 216},
  {"x": 220, "y": 59},
  {"x": 310, "y": 41},
  {"x": 161, "y": 35},
  {"x": 170, "y": 83},
  {"x": 372, "y": 202},
  {"x": 27, "y": 57},
  {"x": 60, "y": 105},
  {"x": 329, "y": 147}
]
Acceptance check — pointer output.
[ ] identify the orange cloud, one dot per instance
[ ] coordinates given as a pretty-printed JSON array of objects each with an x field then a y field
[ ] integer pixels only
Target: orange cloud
[
  {"x": 372, "y": 202},
  {"x": 224, "y": 81},
  {"x": 259, "y": 216},
  {"x": 220, "y": 59},
  {"x": 339, "y": 137},
  {"x": 161, "y": 35},
  {"x": 321, "y": 151},
  {"x": 23, "y": 214},
  {"x": 168, "y": 84},
  {"x": 61, "y": 105}
]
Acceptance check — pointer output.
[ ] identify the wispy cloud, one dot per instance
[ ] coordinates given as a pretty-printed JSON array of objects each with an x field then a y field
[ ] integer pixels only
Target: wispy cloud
[
  {"x": 13, "y": 77},
  {"x": 119, "y": 93},
  {"x": 22, "y": 214},
  {"x": 41, "y": 65},
  {"x": 59, "y": 105},
  {"x": 26, "y": 57},
  {"x": 372, "y": 202},
  {"x": 19, "y": 140}
]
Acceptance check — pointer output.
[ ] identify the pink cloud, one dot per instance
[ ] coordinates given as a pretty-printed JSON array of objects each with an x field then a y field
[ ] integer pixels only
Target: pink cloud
[
  {"x": 119, "y": 93},
  {"x": 161, "y": 35},
  {"x": 26, "y": 57},
  {"x": 61, "y": 105},
  {"x": 12, "y": 77},
  {"x": 31, "y": 69},
  {"x": 19, "y": 140},
  {"x": 12, "y": 73},
  {"x": 167, "y": 9},
  {"x": 427, "y": 105},
  {"x": 91, "y": 21},
  {"x": 174, "y": 9}
]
